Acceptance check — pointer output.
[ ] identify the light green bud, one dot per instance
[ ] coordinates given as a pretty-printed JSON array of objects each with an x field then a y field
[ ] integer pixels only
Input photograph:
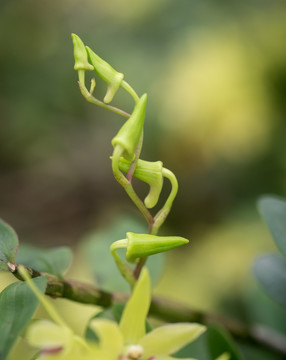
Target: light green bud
[
  {"x": 151, "y": 173},
  {"x": 129, "y": 134},
  {"x": 80, "y": 54},
  {"x": 107, "y": 73},
  {"x": 142, "y": 245}
]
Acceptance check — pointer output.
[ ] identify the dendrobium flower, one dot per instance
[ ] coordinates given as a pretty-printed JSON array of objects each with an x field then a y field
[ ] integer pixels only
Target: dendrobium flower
[{"x": 127, "y": 340}]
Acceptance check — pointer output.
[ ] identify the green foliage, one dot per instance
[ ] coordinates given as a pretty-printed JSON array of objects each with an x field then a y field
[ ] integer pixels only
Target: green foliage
[
  {"x": 211, "y": 345},
  {"x": 17, "y": 305},
  {"x": 54, "y": 261},
  {"x": 220, "y": 342},
  {"x": 261, "y": 309},
  {"x": 273, "y": 211},
  {"x": 8, "y": 245},
  {"x": 270, "y": 271}
]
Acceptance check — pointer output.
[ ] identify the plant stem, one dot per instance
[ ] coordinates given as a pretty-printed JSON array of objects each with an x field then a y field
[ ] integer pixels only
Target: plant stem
[
  {"x": 125, "y": 270},
  {"x": 163, "y": 213},
  {"x": 130, "y": 91},
  {"x": 86, "y": 94},
  {"x": 123, "y": 181}
]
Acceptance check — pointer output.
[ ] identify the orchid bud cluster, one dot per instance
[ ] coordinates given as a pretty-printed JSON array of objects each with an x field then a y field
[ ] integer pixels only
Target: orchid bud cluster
[{"x": 126, "y": 163}]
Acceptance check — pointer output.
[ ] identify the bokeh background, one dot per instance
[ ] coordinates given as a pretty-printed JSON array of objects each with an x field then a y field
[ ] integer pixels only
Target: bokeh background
[{"x": 215, "y": 74}]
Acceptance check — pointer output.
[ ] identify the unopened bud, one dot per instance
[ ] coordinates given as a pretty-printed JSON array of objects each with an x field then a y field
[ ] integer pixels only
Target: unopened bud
[
  {"x": 151, "y": 173},
  {"x": 80, "y": 54},
  {"x": 142, "y": 245},
  {"x": 129, "y": 134},
  {"x": 107, "y": 73}
]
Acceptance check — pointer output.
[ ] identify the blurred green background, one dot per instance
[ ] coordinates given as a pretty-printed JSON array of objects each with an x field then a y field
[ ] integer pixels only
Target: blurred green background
[{"x": 215, "y": 74}]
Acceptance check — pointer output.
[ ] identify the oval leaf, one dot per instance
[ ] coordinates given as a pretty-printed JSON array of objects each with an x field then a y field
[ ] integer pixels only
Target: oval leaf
[
  {"x": 270, "y": 271},
  {"x": 220, "y": 342},
  {"x": 54, "y": 261},
  {"x": 273, "y": 211},
  {"x": 8, "y": 245},
  {"x": 17, "y": 305}
]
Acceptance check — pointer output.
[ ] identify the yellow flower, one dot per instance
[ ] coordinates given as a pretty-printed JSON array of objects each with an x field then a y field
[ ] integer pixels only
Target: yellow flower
[{"x": 124, "y": 341}]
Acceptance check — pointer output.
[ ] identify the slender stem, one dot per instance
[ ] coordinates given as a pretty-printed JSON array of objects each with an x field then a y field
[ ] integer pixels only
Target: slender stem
[
  {"x": 81, "y": 76},
  {"x": 124, "y": 269},
  {"x": 130, "y": 91},
  {"x": 139, "y": 267},
  {"x": 86, "y": 94},
  {"x": 163, "y": 213},
  {"x": 127, "y": 185},
  {"x": 143, "y": 260}
]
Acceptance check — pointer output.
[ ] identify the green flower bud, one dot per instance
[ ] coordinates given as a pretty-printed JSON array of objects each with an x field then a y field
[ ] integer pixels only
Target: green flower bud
[
  {"x": 80, "y": 54},
  {"x": 142, "y": 245},
  {"x": 107, "y": 73},
  {"x": 149, "y": 172},
  {"x": 129, "y": 134}
]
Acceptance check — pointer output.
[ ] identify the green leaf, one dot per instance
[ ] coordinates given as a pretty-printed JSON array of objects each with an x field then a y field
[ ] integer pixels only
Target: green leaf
[
  {"x": 96, "y": 251},
  {"x": 262, "y": 310},
  {"x": 17, "y": 305},
  {"x": 273, "y": 211},
  {"x": 270, "y": 271},
  {"x": 8, "y": 245},
  {"x": 197, "y": 350},
  {"x": 219, "y": 342},
  {"x": 53, "y": 261}
]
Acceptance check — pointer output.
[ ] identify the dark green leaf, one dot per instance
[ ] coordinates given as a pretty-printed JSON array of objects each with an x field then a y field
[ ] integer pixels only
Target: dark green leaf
[
  {"x": 196, "y": 349},
  {"x": 219, "y": 342},
  {"x": 8, "y": 245},
  {"x": 53, "y": 261},
  {"x": 273, "y": 211},
  {"x": 105, "y": 314},
  {"x": 17, "y": 305},
  {"x": 254, "y": 352},
  {"x": 96, "y": 250},
  {"x": 262, "y": 310},
  {"x": 270, "y": 271}
]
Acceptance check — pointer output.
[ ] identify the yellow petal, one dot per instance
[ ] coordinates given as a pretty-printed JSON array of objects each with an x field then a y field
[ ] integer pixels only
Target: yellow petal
[
  {"x": 45, "y": 334},
  {"x": 224, "y": 356},
  {"x": 132, "y": 323},
  {"x": 167, "y": 339},
  {"x": 110, "y": 337}
]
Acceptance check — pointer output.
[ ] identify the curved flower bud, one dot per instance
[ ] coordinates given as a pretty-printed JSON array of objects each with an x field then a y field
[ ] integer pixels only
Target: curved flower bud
[
  {"x": 80, "y": 54},
  {"x": 129, "y": 134},
  {"x": 107, "y": 73},
  {"x": 143, "y": 245},
  {"x": 151, "y": 173}
]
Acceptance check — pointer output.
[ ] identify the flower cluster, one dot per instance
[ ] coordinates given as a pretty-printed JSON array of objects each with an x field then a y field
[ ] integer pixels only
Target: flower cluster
[{"x": 127, "y": 340}]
